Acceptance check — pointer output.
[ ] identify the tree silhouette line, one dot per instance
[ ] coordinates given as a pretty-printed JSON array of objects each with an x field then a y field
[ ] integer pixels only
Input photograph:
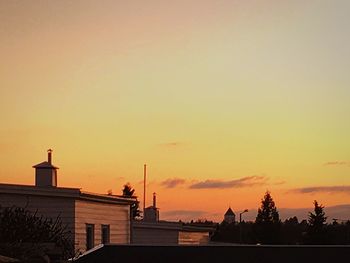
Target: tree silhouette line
[
  {"x": 26, "y": 235},
  {"x": 269, "y": 229}
]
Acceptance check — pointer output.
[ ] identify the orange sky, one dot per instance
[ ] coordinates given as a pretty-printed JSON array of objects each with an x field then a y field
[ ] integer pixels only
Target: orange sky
[{"x": 222, "y": 99}]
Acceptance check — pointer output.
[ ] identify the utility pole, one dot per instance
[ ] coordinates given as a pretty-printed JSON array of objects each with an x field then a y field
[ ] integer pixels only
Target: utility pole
[
  {"x": 144, "y": 188},
  {"x": 240, "y": 225}
]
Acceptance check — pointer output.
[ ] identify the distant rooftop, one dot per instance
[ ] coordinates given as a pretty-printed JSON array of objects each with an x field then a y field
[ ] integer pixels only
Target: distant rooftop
[
  {"x": 45, "y": 165},
  {"x": 75, "y": 193},
  {"x": 229, "y": 212},
  {"x": 46, "y": 186},
  {"x": 169, "y": 225}
]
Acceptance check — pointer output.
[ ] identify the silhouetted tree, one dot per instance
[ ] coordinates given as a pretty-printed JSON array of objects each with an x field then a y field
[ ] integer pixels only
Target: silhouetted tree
[
  {"x": 292, "y": 221},
  {"x": 128, "y": 192},
  {"x": 267, "y": 223},
  {"x": 267, "y": 213},
  {"x": 23, "y": 234},
  {"x": 268, "y": 229},
  {"x": 318, "y": 219},
  {"x": 230, "y": 232},
  {"x": 291, "y": 231},
  {"x": 316, "y": 233},
  {"x": 226, "y": 232},
  {"x": 338, "y": 233}
]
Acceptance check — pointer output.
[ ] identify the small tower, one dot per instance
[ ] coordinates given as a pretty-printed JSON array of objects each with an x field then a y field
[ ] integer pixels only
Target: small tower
[
  {"x": 229, "y": 216},
  {"x": 45, "y": 172},
  {"x": 152, "y": 212}
]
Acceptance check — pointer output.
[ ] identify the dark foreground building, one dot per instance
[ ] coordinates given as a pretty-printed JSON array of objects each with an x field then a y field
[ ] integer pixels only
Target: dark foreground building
[{"x": 217, "y": 253}]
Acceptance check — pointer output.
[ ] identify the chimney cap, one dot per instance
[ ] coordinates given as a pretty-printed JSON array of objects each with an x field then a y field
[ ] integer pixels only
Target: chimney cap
[{"x": 47, "y": 164}]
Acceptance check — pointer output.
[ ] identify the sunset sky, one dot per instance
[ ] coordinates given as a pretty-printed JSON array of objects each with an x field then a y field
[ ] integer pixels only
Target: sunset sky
[{"x": 222, "y": 99}]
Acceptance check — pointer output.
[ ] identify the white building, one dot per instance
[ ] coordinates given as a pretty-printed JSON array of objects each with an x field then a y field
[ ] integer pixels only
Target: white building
[
  {"x": 170, "y": 233},
  {"x": 92, "y": 218},
  {"x": 152, "y": 231}
]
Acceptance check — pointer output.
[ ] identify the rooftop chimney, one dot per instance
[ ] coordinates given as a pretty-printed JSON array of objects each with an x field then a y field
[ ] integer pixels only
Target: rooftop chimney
[
  {"x": 49, "y": 156},
  {"x": 154, "y": 200},
  {"x": 46, "y": 172},
  {"x": 152, "y": 212}
]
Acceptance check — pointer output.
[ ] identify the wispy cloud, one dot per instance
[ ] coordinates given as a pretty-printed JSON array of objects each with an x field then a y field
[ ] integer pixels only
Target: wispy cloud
[
  {"x": 323, "y": 189},
  {"x": 337, "y": 163},
  {"x": 238, "y": 183},
  {"x": 279, "y": 182},
  {"x": 172, "y": 182}
]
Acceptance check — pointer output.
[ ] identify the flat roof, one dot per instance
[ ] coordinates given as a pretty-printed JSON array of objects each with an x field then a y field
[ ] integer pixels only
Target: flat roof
[
  {"x": 170, "y": 225},
  {"x": 75, "y": 193},
  {"x": 215, "y": 253},
  {"x": 45, "y": 165}
]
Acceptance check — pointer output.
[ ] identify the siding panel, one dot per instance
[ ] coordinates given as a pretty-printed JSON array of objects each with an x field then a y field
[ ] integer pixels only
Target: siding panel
[
  {"x": 114, "y": 215},
  {"x": 155, "y": 236},
  {"x": 193, "y": 238}
]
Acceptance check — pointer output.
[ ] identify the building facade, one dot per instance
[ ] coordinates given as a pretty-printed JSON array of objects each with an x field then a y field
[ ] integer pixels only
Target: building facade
[
  {"x": 91, "y": 218},
  {"x": 152, "y": 231},
  {"x": 170, "y": 233}
]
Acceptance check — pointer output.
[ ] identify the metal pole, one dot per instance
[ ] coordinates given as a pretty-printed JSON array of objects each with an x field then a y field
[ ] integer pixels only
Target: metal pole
[
  {"x": 144, "y": 188},
  {"x": 240, "y": 228},
  {"x": 240, "y": 225}
]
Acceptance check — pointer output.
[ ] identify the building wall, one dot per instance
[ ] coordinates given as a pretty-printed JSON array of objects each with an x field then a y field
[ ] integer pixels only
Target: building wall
[
  {"x": 46, "y": 177},
  {"x": 50, "y": 207},
  {"x": 152, "y": 236},
  {"x": 97, "y": 213},
  {"x": 230, "y": 218},
  {"x": 151, "y": 214},
  {"x": 193, "y": 238}
]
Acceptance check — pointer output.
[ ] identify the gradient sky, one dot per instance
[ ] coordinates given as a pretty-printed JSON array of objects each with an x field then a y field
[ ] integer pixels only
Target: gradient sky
[{"x": 222, "y": 99}]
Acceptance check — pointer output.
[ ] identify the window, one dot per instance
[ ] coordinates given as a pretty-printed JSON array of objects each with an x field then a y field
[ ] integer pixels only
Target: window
[
  {"x": 105, "y": 234},
  {"x": 90, "y": 236}
]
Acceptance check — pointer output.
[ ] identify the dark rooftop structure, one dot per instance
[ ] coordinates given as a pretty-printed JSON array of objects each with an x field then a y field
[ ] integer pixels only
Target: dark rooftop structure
[
  {"x": 229, "y": 212},
  {"x": 215, "y": 253}
]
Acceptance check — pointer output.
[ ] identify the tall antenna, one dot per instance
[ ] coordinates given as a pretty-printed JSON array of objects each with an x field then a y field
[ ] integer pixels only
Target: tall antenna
[{"x": 144, "y": 188}]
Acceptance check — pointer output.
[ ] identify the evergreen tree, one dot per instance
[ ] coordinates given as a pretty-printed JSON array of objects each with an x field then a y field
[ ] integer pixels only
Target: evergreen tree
[
  {"x": 267, "y": 223},
  {"x": 316, "y": 233},
  {"x": 318, "y": 219},
  {"x": 267, "y": 213},
  {"x": 128, "y": 192}
]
